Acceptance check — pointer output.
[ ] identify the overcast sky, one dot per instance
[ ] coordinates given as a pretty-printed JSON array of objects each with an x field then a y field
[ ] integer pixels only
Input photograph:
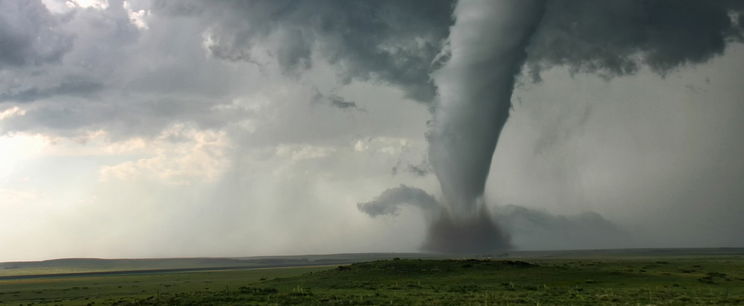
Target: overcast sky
[{"x": 198, "y": 128}]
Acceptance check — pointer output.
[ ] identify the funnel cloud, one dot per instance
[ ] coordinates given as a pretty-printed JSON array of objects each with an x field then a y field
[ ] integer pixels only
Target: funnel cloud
[{"x": 475, "y": 88}]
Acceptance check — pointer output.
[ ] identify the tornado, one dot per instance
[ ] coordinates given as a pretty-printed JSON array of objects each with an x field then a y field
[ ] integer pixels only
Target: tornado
[
  {"x": 487, "y": 45},
  {"x": 486, "y": 50}
]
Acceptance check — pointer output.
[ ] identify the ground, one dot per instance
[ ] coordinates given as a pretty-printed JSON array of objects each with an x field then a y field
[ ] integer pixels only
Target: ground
[{"x": 651, "y": 278}]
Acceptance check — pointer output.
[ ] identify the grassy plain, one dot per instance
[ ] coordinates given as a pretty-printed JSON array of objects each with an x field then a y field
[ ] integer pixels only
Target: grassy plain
[
  {"x": 112, "y": 289},
  {"x": 536, "y": 280},
  {"x": 86, "y": 265}
]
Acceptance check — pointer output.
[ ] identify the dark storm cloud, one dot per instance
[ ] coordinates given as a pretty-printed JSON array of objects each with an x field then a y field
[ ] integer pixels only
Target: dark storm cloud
[
  {"x": 618, "y": 37},
  {"x": 392, "y": 41},
  {"x": 114, "y": 76},
  {"x": 396, "y": 42},
  {"x": 28, "y": 35}
]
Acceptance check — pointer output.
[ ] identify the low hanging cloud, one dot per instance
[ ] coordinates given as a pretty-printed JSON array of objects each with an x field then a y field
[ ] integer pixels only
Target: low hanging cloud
[{"x": 390, "y": 201}]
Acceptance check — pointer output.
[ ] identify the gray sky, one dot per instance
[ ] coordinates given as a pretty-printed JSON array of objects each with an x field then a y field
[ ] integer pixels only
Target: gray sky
[{"x": 188, "y": 128}]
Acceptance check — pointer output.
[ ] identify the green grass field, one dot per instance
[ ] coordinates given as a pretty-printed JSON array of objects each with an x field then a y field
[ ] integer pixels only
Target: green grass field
[
  {"x": 590, "y": 280},
  {"x": 107, "y": 290},
  {"x": 86, "y": 265}
]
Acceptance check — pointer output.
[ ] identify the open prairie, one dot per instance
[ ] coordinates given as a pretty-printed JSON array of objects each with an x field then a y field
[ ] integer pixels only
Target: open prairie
[{"x": 577, "y": 277}]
